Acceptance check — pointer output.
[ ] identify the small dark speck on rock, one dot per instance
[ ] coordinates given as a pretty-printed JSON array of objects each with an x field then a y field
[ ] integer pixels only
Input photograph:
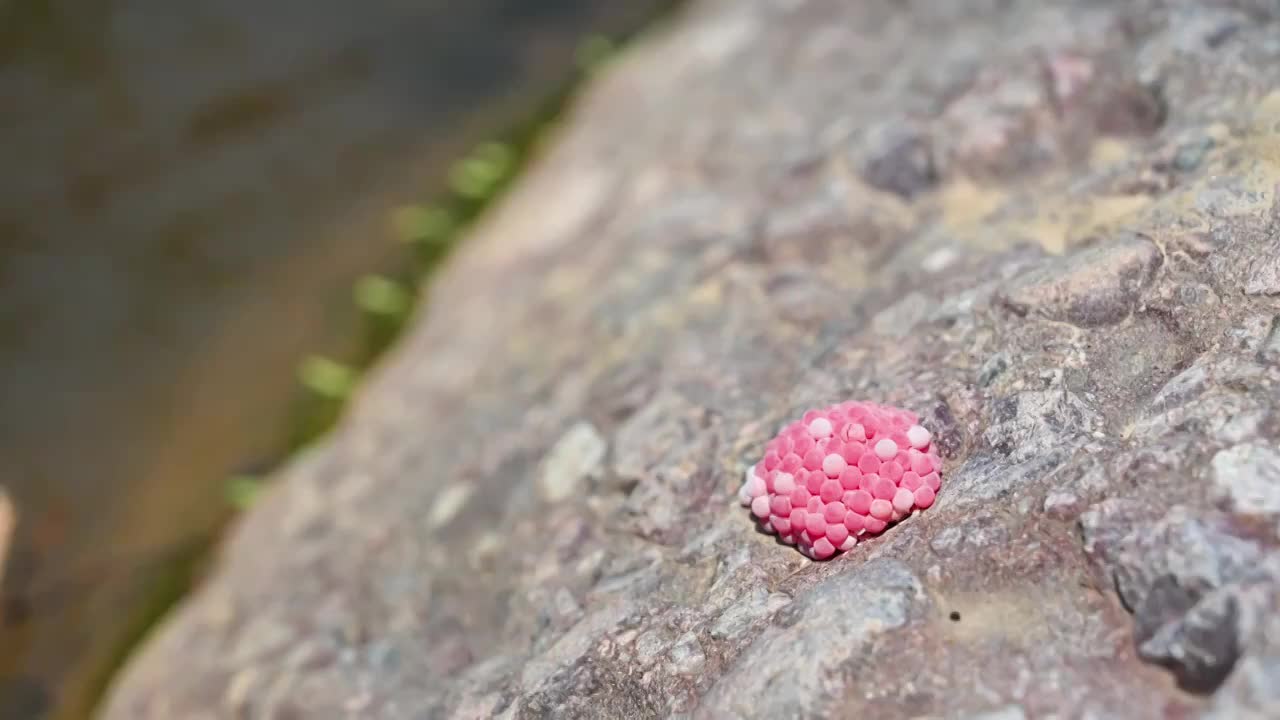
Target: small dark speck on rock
[{"x": 955, "y": 616}]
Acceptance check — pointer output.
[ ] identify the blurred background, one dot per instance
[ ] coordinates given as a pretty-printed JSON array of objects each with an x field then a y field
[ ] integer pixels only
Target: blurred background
[{"x": 213, "y": 217}]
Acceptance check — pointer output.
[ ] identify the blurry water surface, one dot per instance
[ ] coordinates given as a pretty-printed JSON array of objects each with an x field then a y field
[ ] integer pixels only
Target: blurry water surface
[{"x": 188, "y": 191}]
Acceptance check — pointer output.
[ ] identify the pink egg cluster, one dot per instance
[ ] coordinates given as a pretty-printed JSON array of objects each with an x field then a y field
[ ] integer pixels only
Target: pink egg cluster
[{"x": 841, "y": 472}]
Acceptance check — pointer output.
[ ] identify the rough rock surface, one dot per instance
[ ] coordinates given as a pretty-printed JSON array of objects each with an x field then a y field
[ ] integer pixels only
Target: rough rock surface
[{"x": 1047, "y": 227}]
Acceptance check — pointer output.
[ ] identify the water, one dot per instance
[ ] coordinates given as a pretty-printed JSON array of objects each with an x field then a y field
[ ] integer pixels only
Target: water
[{"x": 189, "y": 191}]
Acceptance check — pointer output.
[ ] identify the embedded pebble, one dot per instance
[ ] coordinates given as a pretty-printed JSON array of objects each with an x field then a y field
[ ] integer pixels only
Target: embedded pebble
[
  {"x": 686, "y": 656},
  {"x": 947, "y": 541},
  {"x": 1264, "y": 275},
  {"x": 1248, "y": 475},
  {"x": 1269, "y": 352},
  {"x": 448, "y": 504},
  {"x": 1061, "y": 504},
  {"x": 1094, "y": 287},
  {"x": 578, "y": 455}
]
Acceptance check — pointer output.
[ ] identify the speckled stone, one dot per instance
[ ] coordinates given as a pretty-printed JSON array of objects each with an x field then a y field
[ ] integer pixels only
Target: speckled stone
[{"x": 724, "y": 236}]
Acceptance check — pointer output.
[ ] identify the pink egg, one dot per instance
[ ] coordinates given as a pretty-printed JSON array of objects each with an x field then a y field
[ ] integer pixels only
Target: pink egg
[
  {"x": 799, "y": 497},
  {"x": 804, "y": 443},
  {"x": 920, "y": 463},
  {"x": 892, "y": 470},
  {"x": 831, "y": 491},
  {"x": 760, "y": 507},
  {"x": 771, "y": 460},
  {"x": 833, "y": 465},
  {"x": 823, "y": 549},
  {"x": 820, "y": 428},
  {"x": 785, "y": 446},
  {"x": 924, "y": 496},
  {"x": 797, "y": 519},
  {"x": 791, "y": 463},
  {"x": 918, "y": 437},
  {"x": 837, "y": 532},
  {"x": 813, "y": 459},
  {"x": 884, "y": 488},
  {"x": 869, "y": 463},
  {"x": 855, "y": 522},
  {"x": 861, "y": 502},
  {"x": 780, "y": 505},
  {"x": 903, "y": 500},
  {"x": 814, "y": 523}
]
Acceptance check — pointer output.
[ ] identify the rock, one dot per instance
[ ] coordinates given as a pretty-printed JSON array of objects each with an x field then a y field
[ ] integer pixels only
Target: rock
[
  {"x": 1248, "y": 476},
  {"x": 1191, "y": 153},
  {"x": 1182, "y": 577},
  {"x": 1094, "y": 287},
  {"x": 686, "y": 656},
  {"x": 1008, "y": 712},
  {"x": 792, "y": 665},
  {"x": 448, "y": 504},
  {"x": 1201, "y": 648},
  {"x": 739, "y": 617},
  {"x": 900, "y": 160},
  {"x": 1269, "y": 352},
  {"x": 1041, "y": 108},
  {"x": 992, "y": 131},
  {"x": 578, "y": 455},
  {"x": 1074, "y": 337},
  {"x": 566, "y": 605},
  {"x": 1264, "y": 273},
  {"x": 899, "y": 319},
  {"x": 1253, "y": 688},
  {"x": 1254, "y": 696},
  {"x": 1061, "y": 504},
  {"x": 1195, "y": 553},
  {"x": 992, "y": 368},
  {"x": 947, "y": 541},
  {"x": 1106, "y": 525},
  {"x": 1034, "y": 423}
]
